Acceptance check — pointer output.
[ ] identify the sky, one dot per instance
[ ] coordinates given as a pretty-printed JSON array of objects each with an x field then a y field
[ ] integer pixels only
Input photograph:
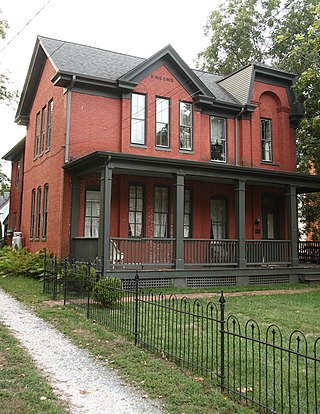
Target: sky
[{"x": 134, "y": 27}]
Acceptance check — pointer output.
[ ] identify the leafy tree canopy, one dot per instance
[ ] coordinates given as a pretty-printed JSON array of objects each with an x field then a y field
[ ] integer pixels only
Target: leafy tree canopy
[{"x": 245, "y": 31}]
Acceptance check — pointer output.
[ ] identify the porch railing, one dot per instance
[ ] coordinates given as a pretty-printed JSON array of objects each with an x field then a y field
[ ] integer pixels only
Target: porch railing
[
  {"x": 309, "y": 251},
  {"x": 139, "y": 252},
  {"x": 208, "y": 252},
  {"x": 259, "y": 252}
]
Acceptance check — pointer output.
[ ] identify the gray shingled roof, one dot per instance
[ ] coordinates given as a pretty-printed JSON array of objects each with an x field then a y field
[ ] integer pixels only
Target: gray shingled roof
[
  {"x": 88, "y": 61},
  {"x": 70, "y": 57}
]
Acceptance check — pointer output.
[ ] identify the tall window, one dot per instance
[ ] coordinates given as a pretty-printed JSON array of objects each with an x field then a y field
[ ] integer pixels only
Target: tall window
[
  {"x": 187, "y": 213},
  {"x": 49, "y": 125},
  {"x": 218, "y": 139},
  {"x": 37, "y": 136},
  {"x": 45, "y": 211},
  {"x": 33, "y": 208},
  {"x": 38, "y": 213},
  {"x": 185, "y": 126},
  {"x": 43, "y": 130},
  {"x": 92, "y": 214},
  {"x": 218, "y": 210},
  {"x": 162, "y": 122},
  {"x": 266, "y": 139},
  {"x": 136, "y": 208},
  {"x": 161, "y": 212},
  {"x": 18, "y": 170},
  {"x": 138, "y": 119}
]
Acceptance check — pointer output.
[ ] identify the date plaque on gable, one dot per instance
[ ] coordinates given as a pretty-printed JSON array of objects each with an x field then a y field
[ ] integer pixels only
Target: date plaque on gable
[{"x": 161, "y": 78}]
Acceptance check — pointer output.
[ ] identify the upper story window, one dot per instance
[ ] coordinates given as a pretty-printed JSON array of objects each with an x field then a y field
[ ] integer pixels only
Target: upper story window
[
  {"x": 161, "y": 212},
  {"x": 37, "y": 136},
  {"x": 185, "y": 142},
  {"x": 43, "y": 130},
  {"x": 218, "y": 139},
  {"x": 49, "y": 125},
  {"x": 92, "y": 214},
  {"x": 136, "y": 210},
  {"x": 162, "y": 122},
  {"x": 138, "y": 119},
  {"x": 266, "y": 139},
  {"x": 18, "y": 171}
]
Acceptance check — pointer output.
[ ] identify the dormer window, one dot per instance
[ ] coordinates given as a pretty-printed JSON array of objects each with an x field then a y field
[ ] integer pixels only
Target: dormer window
[
  {"x": 266, "y": 139},
  {"x": 186, "y": 133},
  {"x": 138, "y": 119}
]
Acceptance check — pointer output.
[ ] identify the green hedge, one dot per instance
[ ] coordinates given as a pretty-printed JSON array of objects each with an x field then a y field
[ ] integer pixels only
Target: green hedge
[
  {"x": 107, "y": 291},
  {"x": 21, "y": 263}
]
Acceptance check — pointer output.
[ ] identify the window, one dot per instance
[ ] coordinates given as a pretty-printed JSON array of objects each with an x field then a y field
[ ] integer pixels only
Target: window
[
  {"x": 218, "y": 211},
  {"x": 161, "y": 212},
  {"x": 49, "y": 125},
  {"x": 37, "y": 136},
  {"x": 45, "y": 211},
  {"x": 92, "y": 214},
  {"x": 138, "y": 119},
  {"x": 15, "y": 221},
  {"x": 162, "y": 122},
  {"x": 185, "y": 126},
  {"x": 38, "y": 213},
  {"x": 218, "y": 139},
  {"x": 18, "y": 168},
  {"x": 187, "y": 214},
  {"x": 33, "y": 206},
  {"x": 266, "y": 139},
  {"x": 136, "y": 208},
  {"x": 43, "y": 130}
]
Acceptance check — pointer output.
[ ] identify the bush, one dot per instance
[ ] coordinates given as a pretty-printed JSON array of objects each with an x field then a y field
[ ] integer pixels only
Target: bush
[
  {"x": 21, "y": 263},
  {"x": 77, "y": 276},
  {"x": 107, "y": 291}
]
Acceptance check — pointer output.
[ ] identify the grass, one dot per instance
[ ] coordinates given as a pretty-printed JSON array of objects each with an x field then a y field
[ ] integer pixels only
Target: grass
[
  {"x": 179, "y": 391},
  {"x": 22, "y": 388}
]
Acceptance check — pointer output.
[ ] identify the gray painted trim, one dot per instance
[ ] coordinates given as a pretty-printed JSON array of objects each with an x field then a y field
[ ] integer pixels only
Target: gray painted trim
[
  {"x": 75, "y": 205},
  {"x": 291, "y": 198},
  {"x": 240, "y": 194},
  {"x": 179, "y": 220},
  {"x": 107, "y": 216}
]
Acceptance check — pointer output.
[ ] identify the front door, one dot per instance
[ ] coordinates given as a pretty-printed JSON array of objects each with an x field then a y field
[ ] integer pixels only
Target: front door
[{"x": 270, "y": 217}]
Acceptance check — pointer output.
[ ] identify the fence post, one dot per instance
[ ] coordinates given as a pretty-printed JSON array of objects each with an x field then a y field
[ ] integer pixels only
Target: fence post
[
  {"x": 88, "y": 290},
  {"x": 136, "y": 321},
  {"x": 45, "y": 280},
  {"x": 222, "y": 337},
  {"x": 65, "y": 281},
  {"x": 55, "y": 279}
]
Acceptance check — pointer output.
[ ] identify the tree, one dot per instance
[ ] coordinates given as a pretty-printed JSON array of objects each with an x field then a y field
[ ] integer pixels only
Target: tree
[
  {"x": 5, "y": 94},
  {"x": 244, "y": 31},
  {"x": 4, "y": 182}
]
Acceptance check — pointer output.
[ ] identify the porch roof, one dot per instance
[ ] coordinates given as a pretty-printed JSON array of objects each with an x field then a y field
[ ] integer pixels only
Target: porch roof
[{"x": 132, "y": 164}]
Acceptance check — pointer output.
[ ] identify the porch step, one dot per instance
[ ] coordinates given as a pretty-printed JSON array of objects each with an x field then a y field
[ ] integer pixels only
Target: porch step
[{"x": 312, "y": 278}]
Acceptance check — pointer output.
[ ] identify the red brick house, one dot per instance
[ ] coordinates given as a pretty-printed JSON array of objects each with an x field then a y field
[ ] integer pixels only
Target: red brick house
[{"x": 159, "y": 167}]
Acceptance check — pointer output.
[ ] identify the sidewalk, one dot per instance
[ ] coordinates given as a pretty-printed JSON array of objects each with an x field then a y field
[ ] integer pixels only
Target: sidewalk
[{"x": 75, "y": 377}]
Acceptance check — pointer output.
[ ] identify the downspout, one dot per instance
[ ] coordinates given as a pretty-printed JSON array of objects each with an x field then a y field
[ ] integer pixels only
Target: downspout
[
  {"x": 66, "y": 157},
  {"x": 237, "y": 135}
]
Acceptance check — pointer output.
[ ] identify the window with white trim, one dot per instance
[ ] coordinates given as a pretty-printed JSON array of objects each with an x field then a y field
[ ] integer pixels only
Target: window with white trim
[
  {"x": 185, "y": 129},
  {"x": 162, "y": 122},
  {"x": 92, "y": 214},
  {"x": 218, "y": 139},
  {"x": 136, "y": 210},
  {"x": 161, "y": 212},
  {"x": 266, "y": 139},
  {"x": 43, "y": 129},
  {"x": 37, "y": 136},
  {"x": 138, "y": 119},
  {"x": 49, "y": 125}
]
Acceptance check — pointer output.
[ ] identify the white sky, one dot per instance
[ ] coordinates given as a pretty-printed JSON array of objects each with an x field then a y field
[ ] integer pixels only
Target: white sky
[{"x": 135, "y": 27}]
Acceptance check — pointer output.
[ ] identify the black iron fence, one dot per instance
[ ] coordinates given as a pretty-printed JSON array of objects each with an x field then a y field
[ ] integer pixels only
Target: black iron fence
[{"x": 254, "y": 365}]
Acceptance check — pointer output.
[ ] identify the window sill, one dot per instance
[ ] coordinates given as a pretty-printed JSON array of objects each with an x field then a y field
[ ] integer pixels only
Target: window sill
[
  {"x": 168, "y": 149},
  {"x": 185, "y": 151},
  {"x": 84, "y": 238},
  {"x": 138, "y": 145},
  {"x": 219, "y": 162},
  {"x": 274, "y": 164}
]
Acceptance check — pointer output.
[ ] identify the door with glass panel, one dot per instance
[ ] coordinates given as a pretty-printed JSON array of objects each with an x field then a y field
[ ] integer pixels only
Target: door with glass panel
[{"x": 218, "y": 215}]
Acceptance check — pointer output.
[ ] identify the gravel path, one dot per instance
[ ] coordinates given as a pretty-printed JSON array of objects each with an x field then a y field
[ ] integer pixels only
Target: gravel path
[{"x": 74, "y": 375}]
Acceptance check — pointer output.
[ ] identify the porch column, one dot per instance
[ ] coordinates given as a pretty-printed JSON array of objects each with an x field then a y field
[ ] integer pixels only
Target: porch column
[
  {"x": 240, "y": 199},
  {"x": 179, "y": 221},
  {"x": 75, "y": 203},
  {"x": 104, "y": 238},
  {"x": 291, "y": 197}
]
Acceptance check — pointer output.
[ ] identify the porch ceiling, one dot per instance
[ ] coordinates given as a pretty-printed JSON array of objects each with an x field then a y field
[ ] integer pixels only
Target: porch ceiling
[{"x": 129, "y": 164}]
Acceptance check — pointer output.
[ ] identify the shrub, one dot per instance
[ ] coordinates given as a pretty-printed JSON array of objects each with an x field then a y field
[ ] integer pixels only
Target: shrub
[
  {"x": 21, "y": 263},
  {"x": 77, "y": 276},
  {"x": 107, "y": 291}
]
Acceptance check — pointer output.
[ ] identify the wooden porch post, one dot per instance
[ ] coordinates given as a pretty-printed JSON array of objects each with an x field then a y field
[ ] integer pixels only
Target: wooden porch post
[
  {"x": 75, "y": 203},
  {"x": 291, "y": 197},
  {"x": 240, "y": 199},
  {"x": 179, "y": 221},
  {"x": 104, "y": 235}
]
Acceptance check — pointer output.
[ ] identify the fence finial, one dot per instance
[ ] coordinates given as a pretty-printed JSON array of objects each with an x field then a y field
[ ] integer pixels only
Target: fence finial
[{"x": 222, "y": 298}]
